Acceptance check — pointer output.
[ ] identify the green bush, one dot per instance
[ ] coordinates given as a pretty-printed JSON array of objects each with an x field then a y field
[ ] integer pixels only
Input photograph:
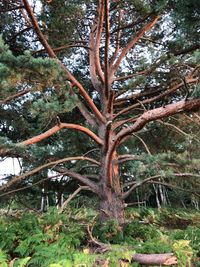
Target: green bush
[
  {"x": 192, "y": 234},
  {"x": 140, "y": 232},
  {"x": 109, "y": 232},
  {"x": 43, "y": 238}
]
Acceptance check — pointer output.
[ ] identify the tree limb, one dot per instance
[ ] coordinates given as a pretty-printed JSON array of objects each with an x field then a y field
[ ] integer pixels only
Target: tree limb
[
  {"x": 75, "y": 175},
  {"x": 107, "y": 42},
  {"x": 66, "y": 202},
  {"x": 11, "y": 9},
  {"x": 132, "y": 43},
  {"x": 158, "y": 113},
  {"x": 63, "y": 47},
  {"x": 99, "y": 30},
  {"x": 151, "y": 115},
  {"x": 57, "y": 128},
  {"x": 12, "y": 97},
  {"x": 137, "y": 184},
  {"x": 157, "y": 97}
]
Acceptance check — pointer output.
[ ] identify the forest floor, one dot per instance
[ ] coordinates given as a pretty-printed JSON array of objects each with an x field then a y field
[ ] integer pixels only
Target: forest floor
[{"x": 76, "y": 238}]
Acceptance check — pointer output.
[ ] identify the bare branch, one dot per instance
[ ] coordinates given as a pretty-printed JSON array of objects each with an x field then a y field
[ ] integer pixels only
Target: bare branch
[
  {"x": 64, "y": 47},
  {"x": 12, "y": 97},
  {"x": 174, "y": 187},
  {"x": 149, "y": 180},
  {"x": 157, "y": 97},
  {"x": 57, "y": 128},
  {"x": 73, "y": 195},
  {"x": 29, "y": 186},
  {"x": 131, "y": 75},
  {"x": 75, "y": 175},
  {"x": 132, "y": 43},
  {"x": 11, "y": 9},
  {"x": 178, "y": 130},
  {"x": 144, "y": 144},
  {"x": 137, "y": 184},
  {"x": 128, "y": 157}
]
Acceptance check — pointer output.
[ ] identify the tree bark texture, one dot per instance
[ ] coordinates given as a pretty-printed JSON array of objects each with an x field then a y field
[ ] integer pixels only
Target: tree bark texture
[{"x": 165, "y": 259}]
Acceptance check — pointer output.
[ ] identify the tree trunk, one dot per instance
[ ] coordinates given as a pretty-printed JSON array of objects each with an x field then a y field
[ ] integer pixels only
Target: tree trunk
[
  {"x": 111, "y": 201},
  {"x": 111, "y": 206}
]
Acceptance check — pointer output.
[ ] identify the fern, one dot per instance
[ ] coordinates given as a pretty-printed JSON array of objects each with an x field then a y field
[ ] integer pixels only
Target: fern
[
  {"x": 3, "y": 259},
  {"x": 21, "y": 262}
]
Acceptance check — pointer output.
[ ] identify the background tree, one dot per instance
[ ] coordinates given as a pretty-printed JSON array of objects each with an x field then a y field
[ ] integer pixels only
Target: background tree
[{"x": 125, "y": 70}]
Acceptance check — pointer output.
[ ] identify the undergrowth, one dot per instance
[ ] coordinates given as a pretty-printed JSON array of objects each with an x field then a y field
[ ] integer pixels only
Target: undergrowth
[{"x": 62, "y": 240}]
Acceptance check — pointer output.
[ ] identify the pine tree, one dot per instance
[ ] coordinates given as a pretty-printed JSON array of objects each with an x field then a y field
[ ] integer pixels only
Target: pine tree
[{"x": 136, "y": 73}]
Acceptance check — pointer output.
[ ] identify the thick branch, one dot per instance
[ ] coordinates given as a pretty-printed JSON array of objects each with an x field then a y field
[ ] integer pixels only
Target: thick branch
[
  {"x": 151, "y": 115},
  {"x": 53, "y": 55},
  {"x": 93, "y": 72},
  {"x": 77, "y": 176},
  {"x": 159, "y": 113},
  {"x": 57, "y": 128},
  {"x": 118, "y": 37}
]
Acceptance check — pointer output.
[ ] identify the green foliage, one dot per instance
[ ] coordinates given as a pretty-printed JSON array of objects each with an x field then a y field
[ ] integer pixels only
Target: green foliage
[
  {"x": 175, "y": 219},
  {"x": 191, "y": 234},
  {"x": 118, "y": 254},
  {"x": 60, "y": 21},
  {"x": 18, "y": 70},
  {"x": 60, "y": 240},
  {"x": 184, "y": 252},
  {"x": 21, "y": 262},
  {"x": 45, "y": 238},
  {"x": 141, "y": 232},
  {"x": 110, "y": 232},
  {"x": 3, "y": 259}
]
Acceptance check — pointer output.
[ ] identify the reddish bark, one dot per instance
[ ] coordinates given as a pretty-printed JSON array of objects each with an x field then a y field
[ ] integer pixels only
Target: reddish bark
[{"x": 57, "y": 128}]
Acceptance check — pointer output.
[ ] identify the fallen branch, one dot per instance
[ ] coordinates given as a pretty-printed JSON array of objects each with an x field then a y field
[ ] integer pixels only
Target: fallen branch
[{"x": 166, "y": 259}]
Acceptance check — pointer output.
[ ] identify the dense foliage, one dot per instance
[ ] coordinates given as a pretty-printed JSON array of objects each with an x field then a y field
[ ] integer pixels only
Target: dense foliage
[{"x": 60, "y": 240}]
